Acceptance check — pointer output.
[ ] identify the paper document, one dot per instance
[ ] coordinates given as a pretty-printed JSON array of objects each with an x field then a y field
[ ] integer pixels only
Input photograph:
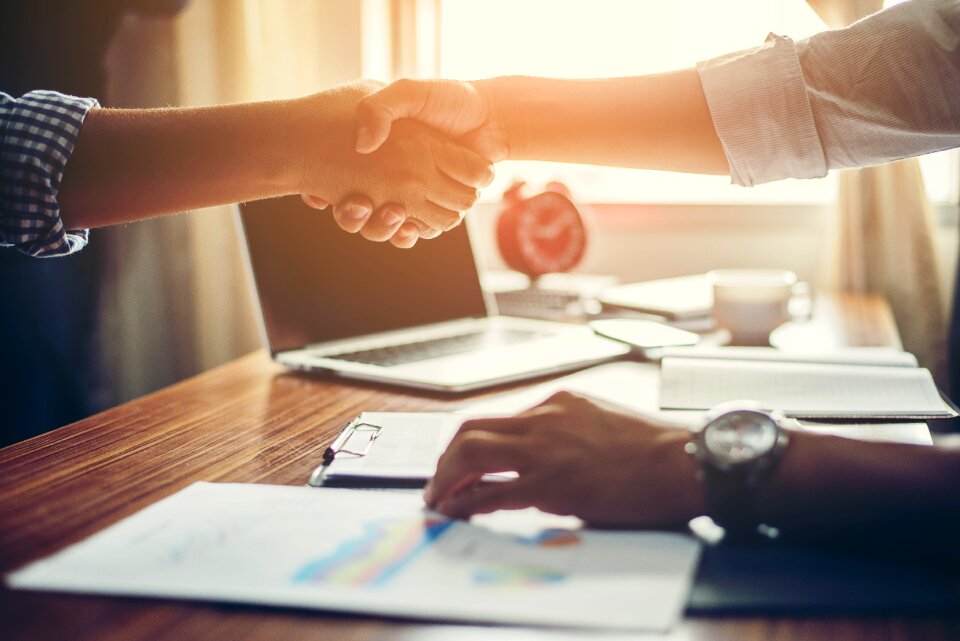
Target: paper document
[
  {"x": 628, "y": 384},
  {"x": 406, "y": 447},
  {"x": 911, "y": 433},
  {"x": 635, "y": 385},
  {"x": 880, "y": 356},
  {"x": 378, "y": 553},
  {"x": 675, "y": 298},
  {"x": 803, "y": 389}
]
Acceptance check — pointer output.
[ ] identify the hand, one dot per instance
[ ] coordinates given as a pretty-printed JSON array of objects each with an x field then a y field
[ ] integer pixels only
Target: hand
[
  {"x": 424, "y": 176},
  {"x": 459, "y": 109},
  {"x": 387, "y": 223},
  {"x": 465, "y": 111},
  {"x": 573, "y": 456}
]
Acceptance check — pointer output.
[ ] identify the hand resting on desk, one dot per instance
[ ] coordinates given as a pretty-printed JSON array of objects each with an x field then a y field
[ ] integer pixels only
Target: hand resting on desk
[
  {"x": 573, "y": 455},
  {"x": 610, "y": 467}
]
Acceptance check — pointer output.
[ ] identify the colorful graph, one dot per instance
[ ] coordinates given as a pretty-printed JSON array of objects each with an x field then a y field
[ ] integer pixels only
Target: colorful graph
[
  {"x": 386, "y": 547},
  {"x": 553, "y": 538},
  {"x": 372, "y": 559},
  {"x": 529, "y": 575},
  {"x": 510, "y": 576}
]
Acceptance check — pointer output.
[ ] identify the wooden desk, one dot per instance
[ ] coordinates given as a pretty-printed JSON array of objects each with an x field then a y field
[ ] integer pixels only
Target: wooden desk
[{"x": 251, "y": 421}]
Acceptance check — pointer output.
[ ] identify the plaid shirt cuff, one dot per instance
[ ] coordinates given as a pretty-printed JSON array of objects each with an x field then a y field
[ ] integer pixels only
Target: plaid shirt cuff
[{"x": 37, "y": 135}]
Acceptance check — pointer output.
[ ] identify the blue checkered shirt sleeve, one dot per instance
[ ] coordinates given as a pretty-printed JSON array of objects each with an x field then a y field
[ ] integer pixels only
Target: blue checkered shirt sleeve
[{"x": 37, "y": 135}]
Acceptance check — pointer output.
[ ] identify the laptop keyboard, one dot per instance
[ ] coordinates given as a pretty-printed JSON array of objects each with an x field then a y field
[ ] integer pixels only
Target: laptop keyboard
[
  {"x": 437, "y": 347},
  {"x": 535, "y": 302}
]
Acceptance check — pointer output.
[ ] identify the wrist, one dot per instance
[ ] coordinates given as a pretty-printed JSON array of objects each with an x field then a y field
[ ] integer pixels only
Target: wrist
[
  {"x": 738, "y": 451},
  {"x": 288, "y": 123},
  {"x": 510, "y": 111},
  {"x": 686, "y": 487}
]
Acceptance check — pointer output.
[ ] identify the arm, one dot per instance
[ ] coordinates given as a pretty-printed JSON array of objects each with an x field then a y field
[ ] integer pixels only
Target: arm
[
  {"x": 133, "y": 164},
  {"x": 879, "y": 90},
  {"x": 612, "y": 467},
  {"x": 659, "y": 121},
  {"x": 647, "y": 122},
  {"x": 651, "y": 122},
  {"x": 831, "y": 486}
]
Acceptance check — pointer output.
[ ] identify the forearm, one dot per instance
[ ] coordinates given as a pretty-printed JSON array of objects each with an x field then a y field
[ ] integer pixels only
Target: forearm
[
  {"x": 647, "y": 122},
  {"x": 134, "y": 164},
  {"x": 827, "y": 487}
]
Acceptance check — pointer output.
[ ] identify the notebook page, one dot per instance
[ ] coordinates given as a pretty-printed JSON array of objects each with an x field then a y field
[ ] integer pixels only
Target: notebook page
[
  {"x": 802, "y": 389},
  {"x": 873, "y": 356}
]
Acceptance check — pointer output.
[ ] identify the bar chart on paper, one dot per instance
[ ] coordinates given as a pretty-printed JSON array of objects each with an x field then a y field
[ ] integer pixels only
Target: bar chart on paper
[
  {"x": 386, "y": 548},
  {"x": 381, "y": 553}
]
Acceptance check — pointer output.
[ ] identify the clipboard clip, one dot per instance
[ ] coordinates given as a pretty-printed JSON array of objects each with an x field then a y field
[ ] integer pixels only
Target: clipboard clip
[{"x": 342, "y": 445}]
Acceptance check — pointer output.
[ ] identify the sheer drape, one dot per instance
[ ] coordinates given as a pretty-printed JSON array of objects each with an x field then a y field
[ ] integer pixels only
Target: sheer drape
[
  {"x": 177, "y": 299},
  {"x": 883, "y": 235}
]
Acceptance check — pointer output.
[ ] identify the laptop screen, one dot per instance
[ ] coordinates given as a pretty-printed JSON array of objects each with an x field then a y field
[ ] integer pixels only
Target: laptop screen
[{"x": 318, "y": 283}]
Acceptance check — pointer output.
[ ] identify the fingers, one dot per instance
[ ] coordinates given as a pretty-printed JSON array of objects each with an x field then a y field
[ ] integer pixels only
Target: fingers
[
  {"x": 314, "y": 201},
  {"x": 469, "y": 456},
  {"x": 464, "y": 165},
  {"x": 490, "y": 497},
  {"x": 451, "y": 194},
  {"x": 406, "y": 236},
  {"x": 439, "y": 217},
  {"x": 422, "y": 229},
  {"x": 516, "y": 425},
  {"x": 376, "y": 112},
  {"x": 384, "y": 222},
  {"x": 352, "y": 214}
]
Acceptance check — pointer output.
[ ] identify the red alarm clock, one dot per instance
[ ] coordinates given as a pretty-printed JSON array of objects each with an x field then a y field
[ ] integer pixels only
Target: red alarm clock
[{"x": 542, "y": 234}]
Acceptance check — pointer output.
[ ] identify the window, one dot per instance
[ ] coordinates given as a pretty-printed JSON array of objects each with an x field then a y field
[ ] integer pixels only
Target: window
[{"x": 603, "y": 38}]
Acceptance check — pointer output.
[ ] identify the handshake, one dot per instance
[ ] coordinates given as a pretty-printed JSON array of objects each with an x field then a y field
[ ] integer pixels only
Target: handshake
[{"x": 409, "y": 158}]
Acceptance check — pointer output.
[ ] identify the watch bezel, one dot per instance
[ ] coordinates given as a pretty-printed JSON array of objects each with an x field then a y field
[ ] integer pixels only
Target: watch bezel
[
  {"x": 721, "y": 460},
  {"x": 731, "y": 487}
]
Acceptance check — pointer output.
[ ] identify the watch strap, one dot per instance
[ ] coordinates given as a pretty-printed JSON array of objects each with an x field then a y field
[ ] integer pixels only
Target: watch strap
[{"x": 731, "y": 502}]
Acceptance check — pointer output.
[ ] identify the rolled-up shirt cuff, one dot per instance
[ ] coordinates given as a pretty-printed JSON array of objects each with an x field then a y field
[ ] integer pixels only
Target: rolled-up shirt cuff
[
  {"x": 37, "y": 136},
  {"x": 760, "y": 109}
]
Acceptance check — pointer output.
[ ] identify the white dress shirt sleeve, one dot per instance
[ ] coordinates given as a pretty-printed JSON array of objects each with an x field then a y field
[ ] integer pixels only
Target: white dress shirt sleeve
[{"x": 884, "y": 88}]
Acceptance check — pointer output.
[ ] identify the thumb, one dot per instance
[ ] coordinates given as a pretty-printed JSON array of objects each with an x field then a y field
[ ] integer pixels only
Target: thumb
[{"x": 376, "y": 113}]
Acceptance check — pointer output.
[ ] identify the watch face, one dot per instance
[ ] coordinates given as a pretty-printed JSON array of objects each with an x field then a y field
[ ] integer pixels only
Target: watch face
[{"x": 740, "y": 436}]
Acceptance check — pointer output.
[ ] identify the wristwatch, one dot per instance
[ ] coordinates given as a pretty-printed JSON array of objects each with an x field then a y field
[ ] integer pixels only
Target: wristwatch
[{"x": 738, "y": 448}]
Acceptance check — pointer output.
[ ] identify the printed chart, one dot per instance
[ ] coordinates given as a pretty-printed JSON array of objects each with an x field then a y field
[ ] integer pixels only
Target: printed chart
[{"x": 380, "y": 553}]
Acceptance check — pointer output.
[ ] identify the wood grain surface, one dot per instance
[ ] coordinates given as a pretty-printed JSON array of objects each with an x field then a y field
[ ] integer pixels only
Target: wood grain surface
[{"x": 251, "y": 421}]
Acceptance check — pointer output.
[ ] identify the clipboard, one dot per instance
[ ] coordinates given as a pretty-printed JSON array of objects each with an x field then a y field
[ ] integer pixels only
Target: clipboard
[{"x": 386, "y": 450}]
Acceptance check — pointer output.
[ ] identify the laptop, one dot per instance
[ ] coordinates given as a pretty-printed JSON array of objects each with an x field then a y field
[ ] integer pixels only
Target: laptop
[{"x": 336, "y": 302}]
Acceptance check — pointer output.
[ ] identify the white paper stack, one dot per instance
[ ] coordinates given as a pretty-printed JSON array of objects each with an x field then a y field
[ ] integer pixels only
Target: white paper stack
[
  {"x": 856, "y": 384},
  {"x": 378, "y": 553}
]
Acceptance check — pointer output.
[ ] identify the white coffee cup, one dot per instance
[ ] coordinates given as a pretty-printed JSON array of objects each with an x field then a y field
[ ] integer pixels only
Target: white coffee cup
[{"x": 751, "y": 303}]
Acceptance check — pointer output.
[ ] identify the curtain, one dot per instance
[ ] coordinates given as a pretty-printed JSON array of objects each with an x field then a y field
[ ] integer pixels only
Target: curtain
[
  {"x": 883, "y": 234},
  {"x": 177, "y": 299}
]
